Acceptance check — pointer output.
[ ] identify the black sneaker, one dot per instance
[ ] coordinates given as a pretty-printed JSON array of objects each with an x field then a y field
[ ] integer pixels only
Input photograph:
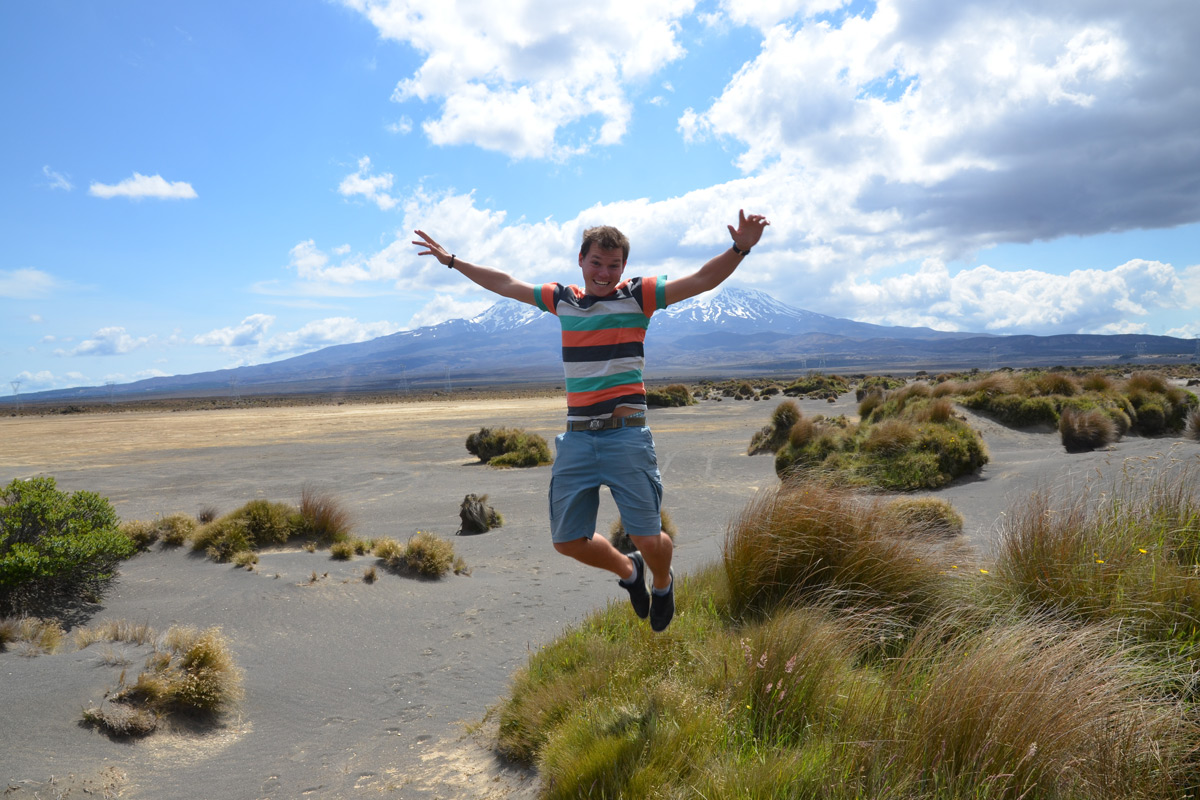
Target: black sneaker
[
  {"x": 639, "y": 597},
  {"x": 662, "y": 607}
]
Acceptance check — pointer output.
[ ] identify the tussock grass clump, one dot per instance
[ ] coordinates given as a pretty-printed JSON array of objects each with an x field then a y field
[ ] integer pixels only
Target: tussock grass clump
[
  {"x": 620, "y": 539},
  {"x": 36, "y": 636},
  {"x": 190, "y": 672},
  {"x": 1129, "y": 553},
  {"x": 924, "y": 517},
  {"x": 141, "y": 533},
  {"x": 678, "y": 395},
  {"x": 114, "y": 631},
  {"x": 509, "y": 447},
  {"x": 774, "y": 435},
  {"x": 341, "y": 551},
  {"x": 822, "y": 659},
  {"x": 1193, "y": 425},
  {"x": 175, "y": 529},
  {"x": 259, "y": 523},
  {"x": 1083, "y": 431},
  {"x": 424, "y": 554},
  {"x": 323, "y": 516},
  {"x": 172, "y": 530},
  {"x": 807, "y": 541},
  {"x": 263, "y": 523}
]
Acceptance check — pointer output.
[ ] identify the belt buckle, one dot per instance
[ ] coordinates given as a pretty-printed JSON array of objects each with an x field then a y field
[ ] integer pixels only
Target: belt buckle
[{"x": 595, "y": 424}]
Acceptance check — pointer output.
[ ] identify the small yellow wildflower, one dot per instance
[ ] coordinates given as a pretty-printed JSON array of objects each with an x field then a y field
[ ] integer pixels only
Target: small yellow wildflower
[
  {"x": 954, "y": 566},
  {"x": 1099, "y": 560},
  {"x": 1142, "y": 550},
  {"x": 984, "y": 571}
]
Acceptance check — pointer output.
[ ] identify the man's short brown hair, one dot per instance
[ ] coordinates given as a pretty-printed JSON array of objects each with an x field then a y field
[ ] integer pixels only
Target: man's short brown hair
[{"x": 607, "y": 237}]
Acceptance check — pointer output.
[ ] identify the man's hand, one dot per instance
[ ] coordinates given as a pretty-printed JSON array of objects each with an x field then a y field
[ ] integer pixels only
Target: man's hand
[
  {"x": 748, "y": 232},
  {"x": 434, "y": 249}
]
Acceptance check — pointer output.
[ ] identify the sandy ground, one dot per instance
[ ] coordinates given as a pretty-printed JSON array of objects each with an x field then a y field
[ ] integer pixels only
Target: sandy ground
[{"x": 356, "y": 689}]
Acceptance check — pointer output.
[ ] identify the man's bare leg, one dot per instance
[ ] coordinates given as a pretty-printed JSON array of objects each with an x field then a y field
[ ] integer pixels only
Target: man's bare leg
[
  {"x": 657, "y": 551},
  {"x": 598, "y": 552}
]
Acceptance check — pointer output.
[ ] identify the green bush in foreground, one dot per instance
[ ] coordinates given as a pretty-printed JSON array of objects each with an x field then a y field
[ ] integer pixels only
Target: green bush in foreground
[
  {"x": 56, "y": 548},
  {"x": 509, "y": 447},
  {"x": 825, "y": 658}
]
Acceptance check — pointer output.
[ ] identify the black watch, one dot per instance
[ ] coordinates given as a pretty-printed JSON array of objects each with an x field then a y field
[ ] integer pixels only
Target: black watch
[{"x": 740, "y": 251}]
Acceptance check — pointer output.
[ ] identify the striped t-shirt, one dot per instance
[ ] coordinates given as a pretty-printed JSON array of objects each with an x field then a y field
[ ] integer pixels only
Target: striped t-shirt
[{"x": 602, "y": 342}]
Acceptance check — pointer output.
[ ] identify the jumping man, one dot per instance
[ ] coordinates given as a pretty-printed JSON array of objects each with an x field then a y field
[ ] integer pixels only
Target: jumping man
[{"x": 607, "y": 442}]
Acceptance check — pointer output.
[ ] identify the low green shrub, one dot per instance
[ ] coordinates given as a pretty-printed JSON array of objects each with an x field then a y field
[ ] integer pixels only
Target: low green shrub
[
  {"x": 509, "y": 447},
  {"x": 877, "y": 384},
  {"x": 910, "y": 441},
  {"x": 56, "y": 548},
  {"x": 816, "y": 384},
  {"x": 678, "y": 395},
  {"x": 1014, "y": 410}
]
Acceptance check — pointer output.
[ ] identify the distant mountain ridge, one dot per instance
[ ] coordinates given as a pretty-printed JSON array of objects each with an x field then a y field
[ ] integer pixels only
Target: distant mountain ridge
[{"x": 729, "y": 333}]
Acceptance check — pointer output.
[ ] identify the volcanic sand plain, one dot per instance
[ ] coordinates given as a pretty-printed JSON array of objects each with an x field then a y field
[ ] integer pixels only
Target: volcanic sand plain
[{"x": 379, "y": 689}]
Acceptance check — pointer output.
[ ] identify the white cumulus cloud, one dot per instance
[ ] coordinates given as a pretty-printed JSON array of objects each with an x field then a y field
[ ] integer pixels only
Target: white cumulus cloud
[
  {"x": 445, "y": 307},
  {"x": 142, "y": 186},
  {"x": 512, "y": 77},
  {"x": 373, "y": 188},
  {"x": 111, "y": 341},
  {"x": 1021, "y": 301},
  {"x": 27, "y": 284},
  {"x": 249, "y": 332},
  {"x": 326, "y": 332},
  {"x": 56, "y": 180}
]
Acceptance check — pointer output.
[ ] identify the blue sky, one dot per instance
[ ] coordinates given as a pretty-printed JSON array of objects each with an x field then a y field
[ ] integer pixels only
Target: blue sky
[{"x": 196, "y": 185}]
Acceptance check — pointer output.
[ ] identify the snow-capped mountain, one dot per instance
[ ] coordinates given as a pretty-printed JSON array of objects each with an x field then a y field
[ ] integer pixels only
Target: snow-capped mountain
[
  {"x": 731, "y": 332},
  {"x": 507, "y": 315}
]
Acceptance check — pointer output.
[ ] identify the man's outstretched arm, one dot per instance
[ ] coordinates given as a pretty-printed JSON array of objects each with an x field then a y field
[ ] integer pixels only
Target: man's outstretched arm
[
  {"x": 712, "y": 274},
  {"x": 491, "y": 279}
]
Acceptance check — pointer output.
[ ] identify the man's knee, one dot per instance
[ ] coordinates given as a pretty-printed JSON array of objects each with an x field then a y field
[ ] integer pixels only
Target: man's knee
[{"x": 572, "y": 547}]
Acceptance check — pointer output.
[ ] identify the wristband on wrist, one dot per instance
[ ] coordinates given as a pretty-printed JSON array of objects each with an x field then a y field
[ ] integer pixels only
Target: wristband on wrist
[
  {"x": 451, "y": 264},
  {"x": 740, "y": 251}
]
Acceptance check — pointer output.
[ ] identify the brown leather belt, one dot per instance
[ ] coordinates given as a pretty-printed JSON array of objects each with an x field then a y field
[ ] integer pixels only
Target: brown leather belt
[{"x": 634, "y": 421}]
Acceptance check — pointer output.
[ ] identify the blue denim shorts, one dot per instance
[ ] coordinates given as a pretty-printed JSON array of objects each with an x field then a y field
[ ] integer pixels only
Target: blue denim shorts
[{"x": 622, "y": 459}]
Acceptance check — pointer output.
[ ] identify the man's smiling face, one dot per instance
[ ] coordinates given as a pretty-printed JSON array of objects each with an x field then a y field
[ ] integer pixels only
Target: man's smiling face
[{"x": 602, "y": 268}]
